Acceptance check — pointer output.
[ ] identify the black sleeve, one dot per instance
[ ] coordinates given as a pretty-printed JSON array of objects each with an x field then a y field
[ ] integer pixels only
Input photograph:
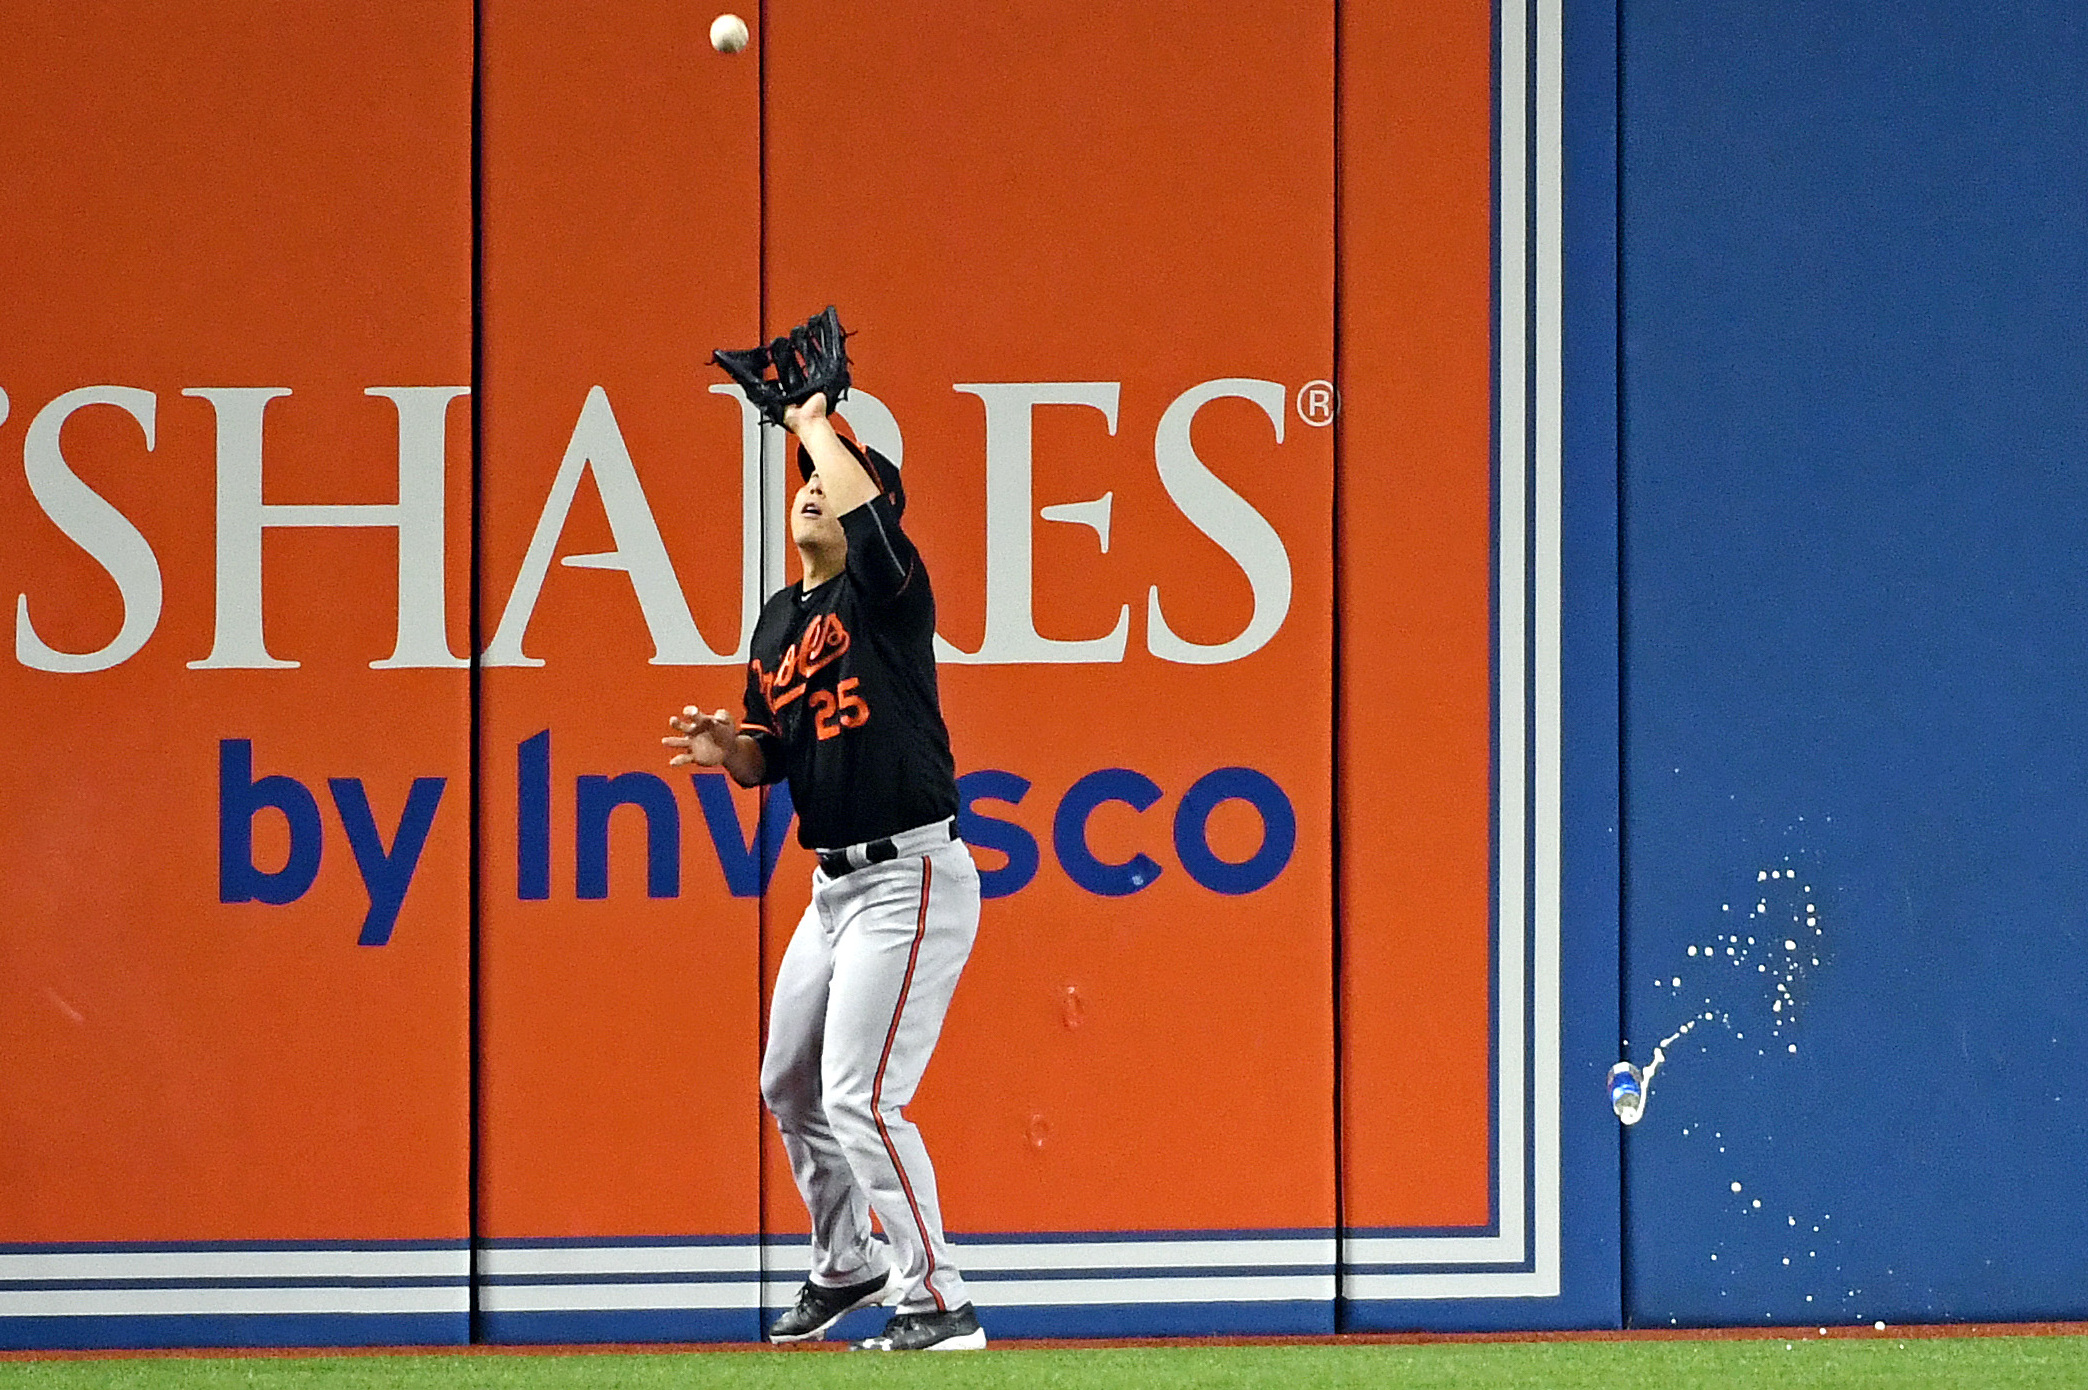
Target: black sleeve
[
  {"x": 880, "y": 557},
  {"x": 760, "y": 723}
]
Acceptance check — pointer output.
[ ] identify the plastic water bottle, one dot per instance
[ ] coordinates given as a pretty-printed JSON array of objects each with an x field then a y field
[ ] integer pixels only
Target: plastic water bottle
[{"x": 1627, "y": 1091}]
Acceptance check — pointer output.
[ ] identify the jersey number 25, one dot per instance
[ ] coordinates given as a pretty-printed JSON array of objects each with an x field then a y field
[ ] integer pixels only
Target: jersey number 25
[{"x": 841, "y": 708}]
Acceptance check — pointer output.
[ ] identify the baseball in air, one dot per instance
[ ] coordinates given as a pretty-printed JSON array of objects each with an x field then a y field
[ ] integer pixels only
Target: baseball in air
[{"x": 728, "y": 33}]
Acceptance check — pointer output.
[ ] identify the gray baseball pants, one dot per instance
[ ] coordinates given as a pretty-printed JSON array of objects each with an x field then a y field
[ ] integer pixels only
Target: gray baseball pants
[{"x": 858, "y": 1006}]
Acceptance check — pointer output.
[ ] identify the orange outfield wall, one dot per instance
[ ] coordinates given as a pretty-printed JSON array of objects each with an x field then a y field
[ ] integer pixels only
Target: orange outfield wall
[
  {"x": 618, "y": 1020},
  {"x": 1091, "y": 265},
  {"x": 1416, "y": 711},
  {"x": 233, "y": 198},
  {"x": 1013, "y": 230}
]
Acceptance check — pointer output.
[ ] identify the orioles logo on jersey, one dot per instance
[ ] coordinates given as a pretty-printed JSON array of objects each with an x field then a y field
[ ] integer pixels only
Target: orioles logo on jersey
[{"x": 819, "y": 646}]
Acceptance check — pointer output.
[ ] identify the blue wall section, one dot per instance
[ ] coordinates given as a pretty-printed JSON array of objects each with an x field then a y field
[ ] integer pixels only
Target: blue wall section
[
  {"x": 1589, "y": 677},
  {"x": 1855, "y": 492}
]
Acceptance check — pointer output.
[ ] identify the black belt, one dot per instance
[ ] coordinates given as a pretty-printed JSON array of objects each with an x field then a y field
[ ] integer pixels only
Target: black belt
[{"x": 835, "y": 863}]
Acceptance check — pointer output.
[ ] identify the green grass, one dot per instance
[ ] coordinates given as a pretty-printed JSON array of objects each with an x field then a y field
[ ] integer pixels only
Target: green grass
[{"x": 1671, "y": 1365}]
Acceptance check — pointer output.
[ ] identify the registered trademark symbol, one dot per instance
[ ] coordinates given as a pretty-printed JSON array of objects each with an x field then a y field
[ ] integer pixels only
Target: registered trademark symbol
[{"x": 1317, "y": 404}]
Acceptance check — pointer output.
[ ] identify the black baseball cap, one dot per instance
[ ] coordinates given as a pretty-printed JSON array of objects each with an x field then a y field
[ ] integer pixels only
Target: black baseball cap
[{"x": 882, "y": 471}]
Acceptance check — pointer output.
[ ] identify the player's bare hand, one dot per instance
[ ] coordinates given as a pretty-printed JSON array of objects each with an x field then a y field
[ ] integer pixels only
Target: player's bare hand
[
  {"x": 703, "y": 738},
  {"x": 814, "y": 410}
]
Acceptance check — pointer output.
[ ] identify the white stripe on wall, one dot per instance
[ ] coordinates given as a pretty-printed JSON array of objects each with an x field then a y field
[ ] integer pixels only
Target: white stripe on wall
[
  {"x": 1433, "y": 1250},
  {"x": 1005, "y": 1273},
  {"x": 234, "y": 1282},
  {"x": 1546, "y": 914},
  {"x": 984, "y": 1255},
  {"x": 1511, "y": 801},
  {"x": 1532, "y": 1284},
  {"x": 104, "y": 1303},
  {"x": 545, "y": 1298},
  {"x": 497, "y": 1262},
  {"x": 987, "y": 1293},
  {"x": 1209, "y": 1288},
  {"x": 1142, "y": 1254},
  {"x": 1008, "y": 1273},
  {"x": 453, "y": 1263}
]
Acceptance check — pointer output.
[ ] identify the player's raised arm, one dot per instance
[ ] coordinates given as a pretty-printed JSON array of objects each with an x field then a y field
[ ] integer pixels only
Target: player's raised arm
[
  {"x": 847, "y": 483},
  {"x": 861, "y": 491}
]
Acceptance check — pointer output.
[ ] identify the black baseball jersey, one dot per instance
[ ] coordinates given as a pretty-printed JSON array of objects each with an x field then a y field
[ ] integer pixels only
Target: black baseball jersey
[{"x": 841, "y": 692}]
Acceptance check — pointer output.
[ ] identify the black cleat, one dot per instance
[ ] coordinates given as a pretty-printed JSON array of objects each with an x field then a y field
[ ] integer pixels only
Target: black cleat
[
  {"x": 819, "y": 1308},
  {"x": 956, "y": 1330}
]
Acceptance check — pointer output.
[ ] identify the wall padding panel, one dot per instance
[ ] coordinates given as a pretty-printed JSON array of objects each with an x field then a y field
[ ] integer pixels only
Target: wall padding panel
[
  {"x": 234, "y": 809},
  {"x": 618, "y": 1110}
]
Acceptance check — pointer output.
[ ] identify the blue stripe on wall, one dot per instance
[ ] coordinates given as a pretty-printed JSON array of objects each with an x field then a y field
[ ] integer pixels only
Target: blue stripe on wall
[
  {"x": 236, "y": 1330},
  {"x": 623, "y": 1325}
]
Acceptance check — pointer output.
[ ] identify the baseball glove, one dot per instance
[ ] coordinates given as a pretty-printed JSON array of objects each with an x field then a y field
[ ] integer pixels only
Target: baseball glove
[{"x": 812, "y": 358}]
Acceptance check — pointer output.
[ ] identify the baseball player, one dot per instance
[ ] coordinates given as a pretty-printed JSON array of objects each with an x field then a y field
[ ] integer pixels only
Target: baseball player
[{"x": 841, "y": 700}]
